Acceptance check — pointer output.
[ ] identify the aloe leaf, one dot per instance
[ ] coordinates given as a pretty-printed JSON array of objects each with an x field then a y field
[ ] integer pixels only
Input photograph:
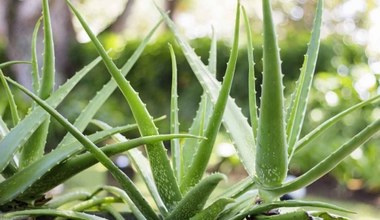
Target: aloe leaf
[
  {"x": 271, "y": 154},
  {"x": 27, "y": 177},
  {"x": 93, "y": 202},
  {"x": 112, "y": 211},
  {"x": 193, "y": 202},
  {"x": 212, "y": 59},
  {"x": 48, "y": 69},
  {"x": 242, "y": 202},
  {"x": 121, "y": 177},
  {"x": 202, "y": 156},
  {"x": 290, "y": 203},
  {"x": 213, "y": 210},
  {"x": 3, "y": 129},
  {"x": 102, "y": 95},
  {"x": 12, "y": 142},
  {"x": 330, "y": 122},
  {"x": 174, "y": 123},
  {"x": 10, "y": 63},
  {"x": 233, "y": 119},
  {"x": 298, "y": 106},
  {"x": 331, "y": 161},
  {"x": 162, "y": 170},
  {"x": 34, "y": 148},
  {"x": 296, "y": 215},
  {"x": 72, "y": 166},
  {"x": 11, "y": 100},
  {"x": 121, "y": 194},
  {"x": 35, "y": 71},
  {"x": 142, "y": 167},
  {"x": 326, "y": 216},
  {"x": 251, "y": 76},
  {"x": 51, "y": 212},
  {"x": 202, "y": 116},
  {"x": 67, "y": 198}
]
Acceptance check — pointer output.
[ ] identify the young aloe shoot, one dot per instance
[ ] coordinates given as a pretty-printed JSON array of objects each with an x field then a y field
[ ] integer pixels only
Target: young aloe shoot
[{"x": 271, "y": 154}]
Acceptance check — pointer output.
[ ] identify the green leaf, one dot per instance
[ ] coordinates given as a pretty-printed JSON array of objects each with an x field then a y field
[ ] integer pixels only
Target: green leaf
[
  {"x": 330, "y": 122},
  {"x": 48, "y": 69},
  {"x": 174, "y": 123},
  {"x": 9, "y": 63},
  {"x": 121, "y": 194},
  {"x": 271, "y": 153},
  {"x": 35, "y": 71},
  {"x": 51, "y": 212},
  {"x": 202, "y": 116},
  {"x": 329, "y": 162},
  {"x": 202, "y": 156},
  {"x": 26, "y": 178},
  {"x": 63, "y": 199},
  {"x": 233, "y": 119},
  {"x": 213, "y": 210},
  {"x": 326, "y": 216},
  {"x": 12, "y": 142},
  {"x": 294, "y": 215},
  {"x": 119, "y": 175},
  {"x": 251, "y": 76},
  {"x": 142, "y": 167},
  {"x": 301, "y": 93},
  {"x": 11, "y": 100},
  {"x": 162, "y": 170},
  {"x": 262, "y": 208},
  {"x": 70, "y": 167},
  {"x": 102, "y": 95},
  {"x": 193, "y": 202}
]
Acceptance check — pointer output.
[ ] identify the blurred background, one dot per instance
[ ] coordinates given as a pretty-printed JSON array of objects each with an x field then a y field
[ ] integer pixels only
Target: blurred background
[{"x": 348, "y": 71}]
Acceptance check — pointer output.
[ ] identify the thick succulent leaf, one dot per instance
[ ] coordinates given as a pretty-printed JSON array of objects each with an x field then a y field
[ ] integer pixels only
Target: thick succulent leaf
[
  {"x": 330, "y": 161},
  {"x": 81, "y": 162},
  {"x": 326, "y": 216},
  {"x": 332, "y": 121},
  {"x": 233, "y": 119},
  {"x": 194, "y": 201},
  {"x": 271, "y": 152},
  {"x": 294, "y": 215},
  {"x": 35, "y": 147},
  {"x": 258, "y": 209},
  {"x": 12, "y": 142},
  {"x": 48, "y": 69},
  {"x": 35, "y": 71},
  {"x": 119, "y": 175},
  {"x": 92, "y": 203},
  {"x": 212, "y": 211},
  {"x": 9, "y": 63},
  {"x": 121, "y": 194},
  {"x": 202, "y": 116},
  {"x": 242, "y": 202},
  {"x": 102, "y": 95},
  {"x": 174, "y": 123},
  {"x": 162, "y": 171},
  {"x": 11, "y": 100},
  {"x": 63, "y": 199},
  {"x": 29, "y": 175},
  {"x": 141, "y": 165},
  {"x": 251, "y": 77},
  {"x": 202, "y": 156},
  {"x": 50, "y": 212},
  {"x": 3, "y": 129},
  {"x": 301, "y": 94}
]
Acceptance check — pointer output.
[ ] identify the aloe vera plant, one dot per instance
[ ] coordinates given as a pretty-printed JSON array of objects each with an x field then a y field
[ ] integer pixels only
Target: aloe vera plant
[{"x": 179, "y": 186}]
